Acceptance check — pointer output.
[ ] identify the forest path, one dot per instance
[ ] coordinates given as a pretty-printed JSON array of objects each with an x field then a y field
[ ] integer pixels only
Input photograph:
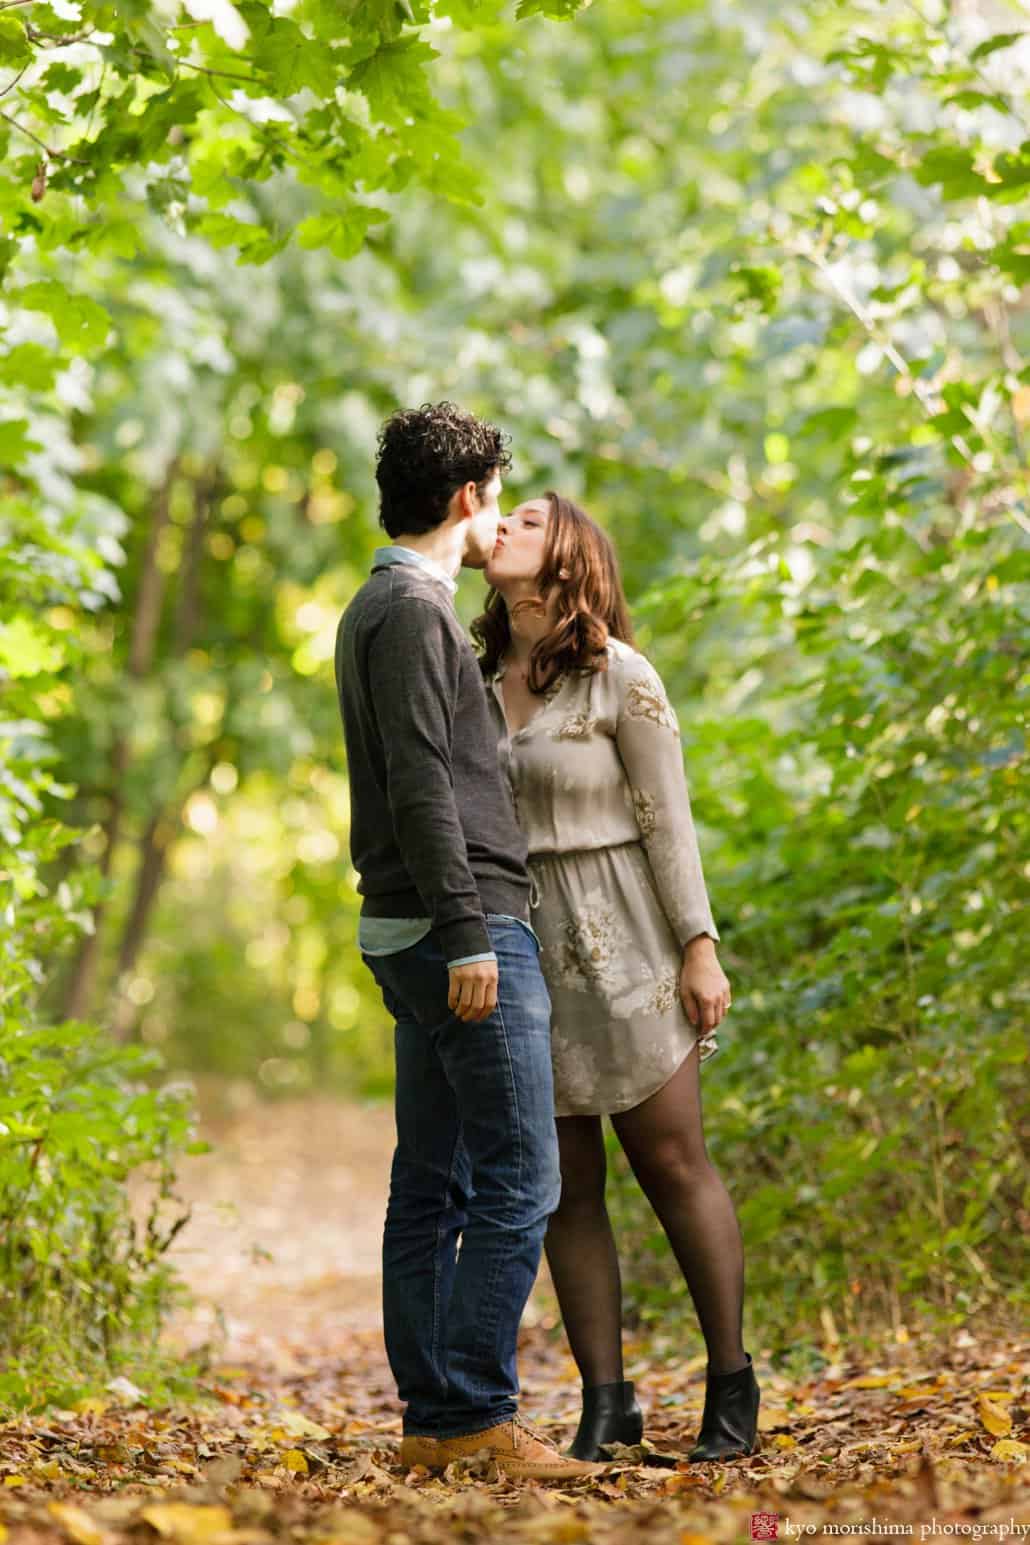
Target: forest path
[{"x": 295, "y": 1438}]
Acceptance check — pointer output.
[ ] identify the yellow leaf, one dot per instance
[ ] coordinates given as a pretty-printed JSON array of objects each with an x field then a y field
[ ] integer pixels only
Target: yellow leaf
[
  {"x": 870, "y": 1381},
  {"x": 347, "y": 1526},
  {"x": 689, "y": 1538},
  {"x": 997, "y": 1421},
  {"x": 3, "y": 1533},
  {"x": 558, "y": 1531},
  {"x": 76, "y": 1523},
  {"x": 783, "y": 1440},
  {"x": 189, "y": 1525},
  {"x": 298, "y": 1426},
  {"x": 14, "y": 1480},
  {"x": 51, "y": 1471},
  {"x": 1011, "y": 1448},
  {"x": 294, "y": 1460},
  {"x": 91, "y": 1405}
]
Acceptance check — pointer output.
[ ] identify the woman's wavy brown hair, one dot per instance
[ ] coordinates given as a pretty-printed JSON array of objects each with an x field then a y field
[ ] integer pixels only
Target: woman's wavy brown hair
[{"x": 591, "y": 602}]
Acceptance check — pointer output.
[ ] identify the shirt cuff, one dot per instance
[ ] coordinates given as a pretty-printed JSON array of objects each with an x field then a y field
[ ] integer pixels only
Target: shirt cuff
[{"x": 470, "y": 960}]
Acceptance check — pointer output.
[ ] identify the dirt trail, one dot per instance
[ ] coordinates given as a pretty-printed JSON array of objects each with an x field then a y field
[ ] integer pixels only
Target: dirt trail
[
  {"x": 283, "y": 1247},
  {"x": 295, "y": 1441}
]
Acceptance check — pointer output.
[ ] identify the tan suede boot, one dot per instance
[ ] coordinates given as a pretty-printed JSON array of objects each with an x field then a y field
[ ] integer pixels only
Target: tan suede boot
[{"x": 518, "y": 1450}]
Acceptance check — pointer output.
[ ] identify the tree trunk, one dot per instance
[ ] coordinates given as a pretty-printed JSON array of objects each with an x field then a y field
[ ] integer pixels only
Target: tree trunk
[
  {"x": 149, "y": 598},
  {"x": 163, "y": 823}
]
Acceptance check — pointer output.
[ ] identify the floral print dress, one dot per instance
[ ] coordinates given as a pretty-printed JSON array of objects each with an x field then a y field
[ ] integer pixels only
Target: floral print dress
[{"x": 599, "y": 788}]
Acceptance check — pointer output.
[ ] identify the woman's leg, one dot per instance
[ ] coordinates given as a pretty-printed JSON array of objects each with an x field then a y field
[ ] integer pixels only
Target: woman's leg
[
  {"x": 663, "y": 1139},
  {"x": 581, "y": 1254}
]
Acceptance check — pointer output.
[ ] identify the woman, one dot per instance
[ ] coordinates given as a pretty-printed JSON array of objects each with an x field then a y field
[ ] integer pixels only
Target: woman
[{"x": 592, "y": 751}]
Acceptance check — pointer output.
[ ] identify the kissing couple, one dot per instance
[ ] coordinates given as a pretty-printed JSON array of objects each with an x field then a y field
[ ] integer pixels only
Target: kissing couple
[{"x": 534, "y": 912}]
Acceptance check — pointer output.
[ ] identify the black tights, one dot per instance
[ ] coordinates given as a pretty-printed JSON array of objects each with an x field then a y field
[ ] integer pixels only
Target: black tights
[{"x": 663, "y": 1140}]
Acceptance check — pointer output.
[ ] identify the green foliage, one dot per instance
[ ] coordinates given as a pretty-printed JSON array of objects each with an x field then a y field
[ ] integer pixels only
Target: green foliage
[
  {"x": 755, "y": 294},
  {"x": 83, "y": 1286}
]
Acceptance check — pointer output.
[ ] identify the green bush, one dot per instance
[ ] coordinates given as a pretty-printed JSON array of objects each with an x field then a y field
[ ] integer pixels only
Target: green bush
[{"x": 83, "y": 1283}]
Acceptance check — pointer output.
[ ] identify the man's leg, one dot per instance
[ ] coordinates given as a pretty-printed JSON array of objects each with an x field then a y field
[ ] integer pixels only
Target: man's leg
[
  {"x": 499, "y": 1072},
  {"x": 429, "y": 1182}
]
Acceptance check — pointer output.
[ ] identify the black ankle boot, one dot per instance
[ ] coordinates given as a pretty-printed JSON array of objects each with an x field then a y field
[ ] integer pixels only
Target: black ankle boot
[
  {"x": 729, "y": 1427},
  {"x": 610, "y": 1415}
]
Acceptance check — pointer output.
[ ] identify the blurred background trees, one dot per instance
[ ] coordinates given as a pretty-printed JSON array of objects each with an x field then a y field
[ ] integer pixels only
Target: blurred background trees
[{"x": 752, "y": 283}]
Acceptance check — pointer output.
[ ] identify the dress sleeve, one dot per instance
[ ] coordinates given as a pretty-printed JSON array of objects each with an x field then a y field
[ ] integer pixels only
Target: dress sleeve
[{"x": 648, "y": 741}]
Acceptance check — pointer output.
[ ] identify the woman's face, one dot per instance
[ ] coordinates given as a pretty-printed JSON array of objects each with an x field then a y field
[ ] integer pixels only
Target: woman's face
[{"x": 521, "y": 544}]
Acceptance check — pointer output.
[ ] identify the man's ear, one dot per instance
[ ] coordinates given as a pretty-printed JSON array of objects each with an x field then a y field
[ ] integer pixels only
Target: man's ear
[{"x": 469, "y": 499}]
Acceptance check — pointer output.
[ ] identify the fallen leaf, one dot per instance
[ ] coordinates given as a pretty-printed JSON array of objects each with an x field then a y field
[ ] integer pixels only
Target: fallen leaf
[
  {"x": 190, "y": 1525},
  {"x": 997, "y": 1421},
  {"x": 128, "y": 1393},
  {"x": 76, "y": 1523},
  {"x": 299, "y": 1426},
  {"x": 295, "y": 1461},
  {"x": 870, "y": 1381},
  {"x": 347, "y": 1527},
  {"x": 1011, "y": 1449}
]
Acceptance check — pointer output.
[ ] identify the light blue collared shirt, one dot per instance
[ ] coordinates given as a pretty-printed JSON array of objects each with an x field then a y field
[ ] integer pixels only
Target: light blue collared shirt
[
  {"x": 383, "y": 556},
  {"x": 390, "y": 935}
]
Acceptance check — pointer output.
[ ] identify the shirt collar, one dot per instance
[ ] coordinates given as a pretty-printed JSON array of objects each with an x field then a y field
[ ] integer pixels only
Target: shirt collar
[{"x": 384, "y": 556}]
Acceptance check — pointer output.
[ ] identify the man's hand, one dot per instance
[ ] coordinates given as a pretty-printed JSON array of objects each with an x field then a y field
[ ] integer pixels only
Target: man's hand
[
  {"x": 473, "y": 994},
  {"x": 704, "y": 986}
]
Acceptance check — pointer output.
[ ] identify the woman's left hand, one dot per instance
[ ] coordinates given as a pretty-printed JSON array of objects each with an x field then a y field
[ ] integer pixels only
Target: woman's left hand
[{"x": 704, "y": 986}]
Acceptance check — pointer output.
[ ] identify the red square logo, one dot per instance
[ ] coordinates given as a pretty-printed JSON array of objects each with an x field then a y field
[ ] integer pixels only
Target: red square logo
[{"x": 765, "y": 1526}]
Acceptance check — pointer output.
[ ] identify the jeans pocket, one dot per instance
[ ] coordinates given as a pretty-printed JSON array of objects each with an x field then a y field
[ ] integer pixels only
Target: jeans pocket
[
  {"x": 502, "y": 919},
  {"x": 391, "y": 1002}
]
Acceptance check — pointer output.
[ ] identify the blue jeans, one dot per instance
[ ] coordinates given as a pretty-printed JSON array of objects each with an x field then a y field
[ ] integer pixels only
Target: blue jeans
[{"x": 476, "y": 1156}]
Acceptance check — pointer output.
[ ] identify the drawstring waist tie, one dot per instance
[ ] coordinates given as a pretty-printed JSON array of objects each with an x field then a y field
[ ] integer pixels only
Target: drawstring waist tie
[{"x": 536, "y": 864}]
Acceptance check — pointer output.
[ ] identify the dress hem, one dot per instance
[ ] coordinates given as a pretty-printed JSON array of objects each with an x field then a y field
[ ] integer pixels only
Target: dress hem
[{"x": 620, "y": 1110}]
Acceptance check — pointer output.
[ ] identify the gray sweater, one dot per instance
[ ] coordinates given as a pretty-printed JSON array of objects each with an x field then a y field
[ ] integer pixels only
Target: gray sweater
[{"x": 433, "y": 829}]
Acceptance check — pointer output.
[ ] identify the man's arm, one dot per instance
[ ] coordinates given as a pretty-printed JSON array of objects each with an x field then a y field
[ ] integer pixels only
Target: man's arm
[{"x": 414, "y": 665}]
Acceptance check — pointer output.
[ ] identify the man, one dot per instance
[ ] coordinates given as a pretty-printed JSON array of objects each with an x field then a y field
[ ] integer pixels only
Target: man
[{"x": 444, "y": 929}]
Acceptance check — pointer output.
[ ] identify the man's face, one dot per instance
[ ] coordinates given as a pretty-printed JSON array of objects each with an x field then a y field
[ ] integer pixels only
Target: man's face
[{"x": 481, "y": 537}]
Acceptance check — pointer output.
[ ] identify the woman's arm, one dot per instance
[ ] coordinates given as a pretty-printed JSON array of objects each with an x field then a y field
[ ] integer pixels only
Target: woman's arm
[{"x": 648, "y": 740}]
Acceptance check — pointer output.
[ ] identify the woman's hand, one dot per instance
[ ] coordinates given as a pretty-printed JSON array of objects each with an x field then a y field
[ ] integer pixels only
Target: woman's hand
[{"x": 704, "y": 986}]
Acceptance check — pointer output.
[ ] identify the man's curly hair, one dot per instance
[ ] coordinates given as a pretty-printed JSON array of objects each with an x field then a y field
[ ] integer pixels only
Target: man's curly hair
[{"x": 425, "y": 455}]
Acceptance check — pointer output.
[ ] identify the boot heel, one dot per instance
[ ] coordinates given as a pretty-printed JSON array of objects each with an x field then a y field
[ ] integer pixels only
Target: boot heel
[
  {"x": 610, "y": 1415},
  {"x": 729, "y": 1426}
]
